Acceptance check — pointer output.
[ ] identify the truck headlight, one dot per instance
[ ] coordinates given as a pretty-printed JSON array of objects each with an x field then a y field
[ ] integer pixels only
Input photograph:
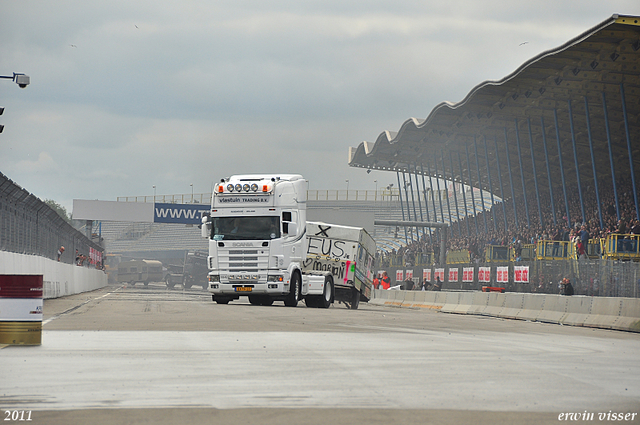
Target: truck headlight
[
  {"x": 214, "y": 278},
  {"x": 275, "y": 278}
]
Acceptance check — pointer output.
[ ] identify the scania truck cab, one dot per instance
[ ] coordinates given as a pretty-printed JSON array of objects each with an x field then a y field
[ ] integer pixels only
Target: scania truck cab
[{"x": 257, "y": 239}]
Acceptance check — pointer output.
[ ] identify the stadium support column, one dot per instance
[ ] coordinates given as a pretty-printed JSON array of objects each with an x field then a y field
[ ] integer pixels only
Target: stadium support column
[
  {"x": 493, "y": 211},
  {"x": 613, "y": 172},
  {"x": 406, "y": 239},
  {"x": 535, "y": 172},
  {"x": 546, "y": 158},
  {"x": 464, "y": 198},
  {"x": 444, "y": 175},
  {"x": 513, "y": 193},
  {"x": 593, "y": 161},
  {"x": 433, "y": 196},
  {"x": 483, "y": 211},
  {"x": 406, "y": 195},
  {"x": 575, "y": 158},
  {"x": 504, "y": 209},
  {"x": 455, "y": 195},
  {"x": 626, "y": 129},
  {"x": 524, "y": 189},
  {"x": 415, "y": 171},
  {"x": 435, "y": 170},
  {"x": 413, "y": 200},
  {"x": 473, "y": 199},
  {"x": 426, "y": 201},
  {"x": 564, "y": 185}
]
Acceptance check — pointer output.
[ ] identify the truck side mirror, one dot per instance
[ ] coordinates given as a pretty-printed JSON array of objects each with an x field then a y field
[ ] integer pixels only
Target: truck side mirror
[{"x": 206, "y": 226}]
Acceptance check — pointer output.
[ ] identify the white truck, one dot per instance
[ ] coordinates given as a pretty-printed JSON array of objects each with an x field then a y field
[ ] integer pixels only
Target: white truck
[{"x": 261, "y": 246}]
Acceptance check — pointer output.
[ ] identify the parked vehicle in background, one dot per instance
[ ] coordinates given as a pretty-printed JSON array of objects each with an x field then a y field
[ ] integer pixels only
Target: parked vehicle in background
[
  {"x": 193, "y": 271},
  {"x": 144, "y": 271}
]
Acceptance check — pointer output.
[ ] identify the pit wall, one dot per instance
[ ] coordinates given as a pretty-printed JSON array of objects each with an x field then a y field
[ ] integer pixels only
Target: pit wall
[
  {"x": 59, "y": 279},
  {"x": 597, "y": 312}
]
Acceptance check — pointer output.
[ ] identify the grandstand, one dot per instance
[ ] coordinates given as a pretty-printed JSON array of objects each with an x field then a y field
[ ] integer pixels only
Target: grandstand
[{"x": 557, "y": 141}]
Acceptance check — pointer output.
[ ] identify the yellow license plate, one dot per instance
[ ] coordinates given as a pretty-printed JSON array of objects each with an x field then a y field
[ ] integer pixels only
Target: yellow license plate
[{"x": 243, "y": 289}]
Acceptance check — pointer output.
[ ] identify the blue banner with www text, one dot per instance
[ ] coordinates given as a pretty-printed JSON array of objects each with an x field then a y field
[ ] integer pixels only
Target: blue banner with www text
[{"x": 179, "y": 213}]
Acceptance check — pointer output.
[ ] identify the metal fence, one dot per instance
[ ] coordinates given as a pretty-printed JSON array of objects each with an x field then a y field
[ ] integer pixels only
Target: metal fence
[
  {"x": 601, "y": 277},
  {"x": 29, "y": 226}
]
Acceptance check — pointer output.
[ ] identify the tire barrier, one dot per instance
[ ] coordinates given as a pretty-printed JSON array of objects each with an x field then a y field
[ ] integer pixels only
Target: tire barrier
[
  {"x": 578, "y": 310},
  {"x": 20, "y": 309}
]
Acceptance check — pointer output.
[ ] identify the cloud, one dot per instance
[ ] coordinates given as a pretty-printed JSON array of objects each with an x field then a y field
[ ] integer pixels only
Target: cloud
[
  {"x": 44, "y": 164},
  {"x": 174, "y": 93}
]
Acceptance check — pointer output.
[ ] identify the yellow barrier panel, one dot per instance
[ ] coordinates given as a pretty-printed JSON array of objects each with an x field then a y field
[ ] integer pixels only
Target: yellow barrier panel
[
  {"x": 622, "y": 247},
  {"x": 459, "y": 256},
  {"x": 555, "y": 250}
]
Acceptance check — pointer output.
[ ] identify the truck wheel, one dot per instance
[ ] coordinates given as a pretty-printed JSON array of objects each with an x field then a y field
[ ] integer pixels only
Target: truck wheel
[
  {"x": 355, "y": 299},
  {"x": 220, "y": 300},
  {"x": 186, "y": 284},
  {"x": 311, "y": 301},
  {"x": 167, "y": 280},
  {"x": 327, "y": 294},
  {"x": 294, "y": 291}
]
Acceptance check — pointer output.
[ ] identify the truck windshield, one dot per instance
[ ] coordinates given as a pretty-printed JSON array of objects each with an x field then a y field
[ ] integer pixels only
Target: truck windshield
[{"x": 245, "y": 228}]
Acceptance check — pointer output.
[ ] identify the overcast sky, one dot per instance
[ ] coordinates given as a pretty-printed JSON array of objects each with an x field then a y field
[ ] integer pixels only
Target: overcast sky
[{"x": 126, "y": 95}]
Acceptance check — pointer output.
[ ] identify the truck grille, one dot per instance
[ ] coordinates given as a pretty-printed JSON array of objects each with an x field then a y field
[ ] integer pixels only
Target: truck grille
[{"x": 236, "y": 260}]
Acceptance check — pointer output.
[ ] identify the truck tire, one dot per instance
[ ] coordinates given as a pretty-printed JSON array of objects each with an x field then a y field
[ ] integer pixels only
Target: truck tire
[
  {"x": 267, "y": 301},
  {"x": 186, "y": 284},
  {"x": 255, "y": 300},
  {"x": 327, "y": 294},
  {"x": 294, "y": 291},
  {"x": 168, "y": 281},
  {"x": 220, "y": 299},
  {"x": 355, "y": 299}
]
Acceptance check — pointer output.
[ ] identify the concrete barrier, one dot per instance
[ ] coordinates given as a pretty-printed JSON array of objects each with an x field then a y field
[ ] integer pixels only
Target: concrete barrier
[
  {"x": 465, "y": 303},
  {"x": 430, "y": 300},
  {"x": 452, "y": 300},
  {"x": 605, "y": 312},
  {"x": 378, "y": 297},
  {"x": 458, "y": 302},
  {"x": 495, "y": 304},
  {"x": 553, "y": 309},
  {"x": 531, "y": 307},
  {"x": 409, "y": 298},
  {"x": 479, "y": 302},
  {"x": 578, "y": 310},
  {"x": 513, "y": 303},
  {"x": 59, "y": 279},
  {"x": 629, "y": 315}
]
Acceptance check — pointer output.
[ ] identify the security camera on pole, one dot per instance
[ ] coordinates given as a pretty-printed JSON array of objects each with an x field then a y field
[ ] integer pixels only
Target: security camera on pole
[{"x": 22, "y": 81}]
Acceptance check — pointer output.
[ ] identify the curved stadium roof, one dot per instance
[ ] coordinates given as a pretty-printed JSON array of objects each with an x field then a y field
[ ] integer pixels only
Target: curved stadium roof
[{"x": 596, "y": 68}]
